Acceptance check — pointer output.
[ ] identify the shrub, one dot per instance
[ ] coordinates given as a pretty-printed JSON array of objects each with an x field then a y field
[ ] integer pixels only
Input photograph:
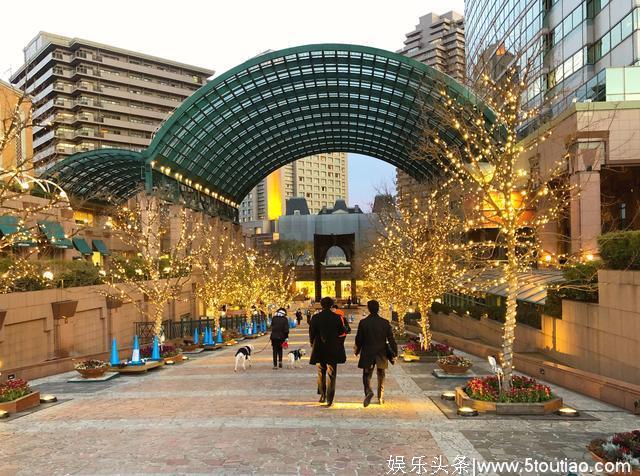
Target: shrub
[
  {"x": 441, "y": 308},
  {"x": 581, "y": 282},
  {"x": 166, "y": 351},
  {"x": 523, "y": 390},
  {"x": 620, "y": 249}
]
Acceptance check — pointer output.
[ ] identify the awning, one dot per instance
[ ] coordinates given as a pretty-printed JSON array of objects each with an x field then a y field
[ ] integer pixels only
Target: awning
[
  {"x": 55, "y": 234},
  {"x": 10, "y": 225},
  {"x": 100, "y": 247},
  {"x": 82, "y": 246},
  {"x": 532, "y": 285}
]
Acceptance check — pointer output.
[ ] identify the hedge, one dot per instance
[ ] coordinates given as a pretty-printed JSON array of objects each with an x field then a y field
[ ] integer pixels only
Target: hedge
[{"x": 620, "y": 250}]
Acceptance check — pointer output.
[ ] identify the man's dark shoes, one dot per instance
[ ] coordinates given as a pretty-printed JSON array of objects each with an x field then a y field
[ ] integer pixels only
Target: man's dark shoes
[
  {"x": 380, "y": 400},
  {"x": 329, "y": 404},
  {"x": 322, "y": 399},
  {"x": 280, "y": 364},
  {"x": 367, "y": 399}
]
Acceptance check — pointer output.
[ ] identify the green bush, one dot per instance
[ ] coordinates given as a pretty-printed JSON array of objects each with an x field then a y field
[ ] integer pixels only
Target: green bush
[
  {"x": 553, "y": 303},
  {"x": 620, "y": 250},
  {"x": 66, "y": 273},
  {"x": 441, "y": 308},
  {"x": 581, "y": 282}
]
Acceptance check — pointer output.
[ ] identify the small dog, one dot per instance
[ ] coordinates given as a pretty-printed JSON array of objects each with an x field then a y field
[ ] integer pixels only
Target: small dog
[
  {"x": 242, "y": 356},
  {"x": 295, "y": 358}
]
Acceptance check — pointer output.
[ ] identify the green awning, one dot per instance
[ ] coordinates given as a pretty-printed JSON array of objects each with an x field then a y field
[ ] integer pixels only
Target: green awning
[
  {"x": 10, "y": 225},
  {"x": 82, "y": 246},
  {"x": 100, "y": 247},
  {"x": 55, "y": 234}
]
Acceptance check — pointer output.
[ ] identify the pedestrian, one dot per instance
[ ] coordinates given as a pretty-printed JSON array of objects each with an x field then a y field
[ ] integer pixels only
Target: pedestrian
[
  {"x": 279, "y": 334},
  {"x": 327, "y": 348},
  {"x": 309, "y": 314},
  {"x": 299, "y": 316},
  {"x": 375, "y": 345},
  {"x": 349, "y": 302}
]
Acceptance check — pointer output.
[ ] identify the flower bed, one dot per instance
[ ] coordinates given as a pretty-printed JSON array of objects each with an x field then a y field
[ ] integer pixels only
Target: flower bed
[
  {"x": 16, "y": 396},
  {"x": 432, "y": 354},
  {"x": 523, "y": 390},
  {"x": 91, "y": 368},
  {"x": 618, "y": 448},
  {"x": 167, "y": 351},
  {"x": 526, "y": 397},
  {"x": 454, "y": 364}
]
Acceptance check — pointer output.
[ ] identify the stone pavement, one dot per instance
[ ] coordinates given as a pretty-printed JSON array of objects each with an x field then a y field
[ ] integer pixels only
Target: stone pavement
[{"x": 202, "y": 418}]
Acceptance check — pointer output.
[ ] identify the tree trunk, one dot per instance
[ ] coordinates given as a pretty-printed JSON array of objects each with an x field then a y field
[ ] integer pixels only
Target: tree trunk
[
  {"x": 509, "y": 327},
  {"x": 425, "y": 325},
  {"x": 157, "y": 319},
  {"x": 401, "y": 312}
]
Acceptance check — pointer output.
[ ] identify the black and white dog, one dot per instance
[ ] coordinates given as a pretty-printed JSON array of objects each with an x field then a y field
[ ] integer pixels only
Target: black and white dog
[
  {"x": 295, "y": 358},
  {"x": 242, "y": 356}
]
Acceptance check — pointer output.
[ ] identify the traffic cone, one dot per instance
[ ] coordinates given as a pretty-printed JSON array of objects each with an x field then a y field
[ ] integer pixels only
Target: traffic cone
[
  {"x": 209, "y": 336},
  {"x": 264, "y": 326},
  {"x": 155, "y": 354},
  {"x": 135, "y": 354},
  {"x": 219, "y": 339},
  {"x": 255, "y": 328},
  {"x": 196, "y": 337},
  {"x": 115, "y": 358}
]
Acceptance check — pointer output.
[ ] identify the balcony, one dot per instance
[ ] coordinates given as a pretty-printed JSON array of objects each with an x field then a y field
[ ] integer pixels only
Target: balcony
[{"x": 158, "y": 73}]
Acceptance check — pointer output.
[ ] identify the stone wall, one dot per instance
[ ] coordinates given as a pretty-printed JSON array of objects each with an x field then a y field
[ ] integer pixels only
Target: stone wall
[
  {"x": 602, "y": 338},
  {"x": 34, "y": 344}
]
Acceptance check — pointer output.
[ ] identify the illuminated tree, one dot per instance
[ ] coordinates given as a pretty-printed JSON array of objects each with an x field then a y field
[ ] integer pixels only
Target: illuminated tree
[
  {"x": 214, "y": 259},
  {"x": 160, "y": 263},
  {"x": 420, "y": 255},
  {"x": 498, "y": 191}
]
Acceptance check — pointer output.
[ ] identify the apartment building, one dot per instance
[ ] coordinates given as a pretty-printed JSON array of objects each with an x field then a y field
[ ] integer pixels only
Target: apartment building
[
  {"x": 321, "y": 179},
  {"x": 18, "y": 151},
  {"x": 89, "y": 95},
  {"x": 438, "y": 41}
]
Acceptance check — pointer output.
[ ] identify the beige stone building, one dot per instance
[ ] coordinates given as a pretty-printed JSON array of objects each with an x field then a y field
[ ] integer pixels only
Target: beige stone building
[
  {"x": 321, "y": 179},
  {"x": 89, "y": 95},
  {"x": 600, "y": 142},
  {"x": 438, "y": 41}
]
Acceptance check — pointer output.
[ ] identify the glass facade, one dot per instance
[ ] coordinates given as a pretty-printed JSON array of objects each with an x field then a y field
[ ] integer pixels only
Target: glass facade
[{"x": 571, "y": 44}]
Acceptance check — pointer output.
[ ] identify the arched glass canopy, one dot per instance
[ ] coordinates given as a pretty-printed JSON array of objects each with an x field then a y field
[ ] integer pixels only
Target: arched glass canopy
[{"x": 288, "y": 104}]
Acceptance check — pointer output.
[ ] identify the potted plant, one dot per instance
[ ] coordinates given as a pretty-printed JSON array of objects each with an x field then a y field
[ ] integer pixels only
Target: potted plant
[
  {"x": 618, "y": 448},
  {"x": 167, "y": 352},
  {"x": 17, "y": 396},
  {"x": 91, "y": 368},
  {"x": 413, "y": 351},
  {"x": 454, "y": 364}
]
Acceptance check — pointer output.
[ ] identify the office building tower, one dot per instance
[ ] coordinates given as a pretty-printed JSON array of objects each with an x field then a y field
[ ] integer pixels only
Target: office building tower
[
  {"x": 89, "y": 95},
  {"x": 438, "y": 41}
]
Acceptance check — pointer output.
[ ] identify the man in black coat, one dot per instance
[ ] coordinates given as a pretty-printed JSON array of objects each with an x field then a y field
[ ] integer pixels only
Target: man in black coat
[
  {"x": 371, "y": 344},
  {"x": 327, "y": 351},
  {"x": 279, "y": 333}
]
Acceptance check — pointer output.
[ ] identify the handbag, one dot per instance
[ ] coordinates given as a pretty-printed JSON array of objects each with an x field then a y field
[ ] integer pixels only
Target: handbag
[{"x": 391, "y": 356}]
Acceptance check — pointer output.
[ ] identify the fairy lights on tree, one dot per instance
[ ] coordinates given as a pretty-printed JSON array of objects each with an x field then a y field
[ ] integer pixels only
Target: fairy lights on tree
[
  {"x": 498, "y": 191},
  {"x": 420, "y": 255},
  {"x": 160, "y": 263}
]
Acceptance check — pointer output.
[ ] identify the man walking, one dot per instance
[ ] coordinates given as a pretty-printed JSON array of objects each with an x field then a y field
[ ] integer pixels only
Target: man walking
[
  {"x": 279, "y": 333},
  {"x": 327, "y": 352},
  {"x": 371, "y": 344}
]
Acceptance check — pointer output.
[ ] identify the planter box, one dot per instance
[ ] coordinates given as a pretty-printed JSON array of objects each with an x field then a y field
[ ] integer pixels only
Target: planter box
[
  {"x": 92, "y": 373},
  {"x": 542, "y": 408},
  {"x": 454, "y": 369},
  {"x": 21, "y": 404},
  {"x": 64, "y": 309}
]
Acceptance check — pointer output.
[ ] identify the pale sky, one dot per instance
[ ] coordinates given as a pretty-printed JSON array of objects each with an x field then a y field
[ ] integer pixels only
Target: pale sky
[{"x": 220, "y": 34}]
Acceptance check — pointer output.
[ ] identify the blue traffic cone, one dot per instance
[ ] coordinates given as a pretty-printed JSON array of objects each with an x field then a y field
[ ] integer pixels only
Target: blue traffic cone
[
  {"x": 219, "y": 339},
  {"x": 264, "y": 326},
  {"x": 155, "y": 354},
  {"x": 255, "y": 328},
  {"x": 210, "y": 335},
  {"x": 135, "y": 354},
  {"x": 196, "y": 337},
  {"x": 115, "y": 358},
  {"x": 205, "y": 337}
]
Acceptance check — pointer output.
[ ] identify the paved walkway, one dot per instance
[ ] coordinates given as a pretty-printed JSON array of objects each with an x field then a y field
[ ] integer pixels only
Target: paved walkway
[{"x": 202, "y": 418}]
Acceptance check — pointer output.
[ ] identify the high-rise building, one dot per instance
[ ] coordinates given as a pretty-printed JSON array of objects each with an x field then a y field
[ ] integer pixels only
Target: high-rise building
[
  {"x": 569, "y": 44},
  {"x": 18, "y": 151},
  {"x": 438, "y": 41},
  {"x": 89, "y": 95},
  {"x": 321, "y": 179}
]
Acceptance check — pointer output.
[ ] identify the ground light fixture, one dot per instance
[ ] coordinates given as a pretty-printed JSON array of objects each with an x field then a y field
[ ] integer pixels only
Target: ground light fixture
[
  {"x": 169, "y": 362},
  {"x": 185, "y": 357},
  {"x": 467, "y": 411},
  {"x": 4, "y": 414},
  {"x": 568, "y": 412},
  {"x": 48, "y": 398},
  {"x": 448, "y": 395}
]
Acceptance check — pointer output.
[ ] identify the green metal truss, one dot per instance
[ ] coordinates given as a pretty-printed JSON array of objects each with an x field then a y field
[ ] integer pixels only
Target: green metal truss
[
  {"x": 288, "y": 104},
  {"x": 105, "y": 174}
]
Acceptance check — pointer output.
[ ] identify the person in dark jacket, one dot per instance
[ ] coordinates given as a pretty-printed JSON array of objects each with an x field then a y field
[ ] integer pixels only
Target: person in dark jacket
[
  {"x": 299, "y": 316},
  {"x": 279, "y": 333},
  {"x": 327, "y": 348},
  {"x": 374, "y": 332}
]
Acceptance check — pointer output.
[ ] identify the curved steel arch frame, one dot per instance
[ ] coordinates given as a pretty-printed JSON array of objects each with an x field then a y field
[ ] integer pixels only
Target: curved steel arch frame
[
  {"x": 104, "y": 174},
  {"x": 288, "y": 104}
]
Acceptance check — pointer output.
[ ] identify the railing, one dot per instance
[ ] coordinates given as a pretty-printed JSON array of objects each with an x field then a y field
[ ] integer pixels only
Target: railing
[{"x": 186, "y": 327}]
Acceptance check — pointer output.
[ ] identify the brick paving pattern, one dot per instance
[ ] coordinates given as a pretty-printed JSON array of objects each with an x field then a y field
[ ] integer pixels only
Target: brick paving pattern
[{"x": 202, "y": 418}]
